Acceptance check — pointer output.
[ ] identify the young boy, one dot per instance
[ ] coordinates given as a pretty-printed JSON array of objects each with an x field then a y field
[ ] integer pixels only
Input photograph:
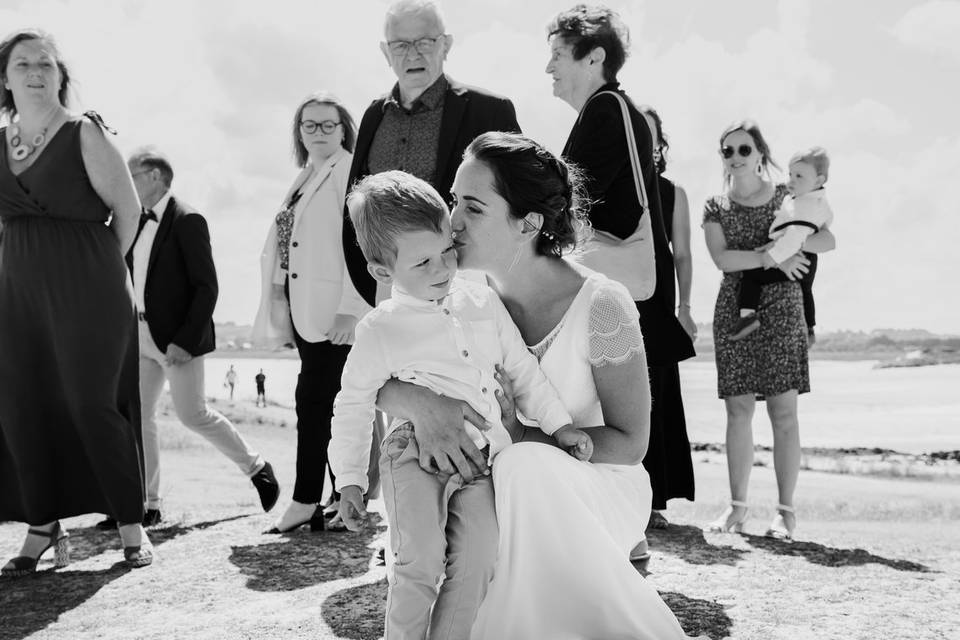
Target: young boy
[
  {"x": 448, "y": 335},
  {"x": 806, "y": 211}
]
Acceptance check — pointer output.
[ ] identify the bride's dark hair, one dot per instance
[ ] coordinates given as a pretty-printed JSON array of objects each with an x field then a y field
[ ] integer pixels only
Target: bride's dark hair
[{"x": 531, "y": 179}]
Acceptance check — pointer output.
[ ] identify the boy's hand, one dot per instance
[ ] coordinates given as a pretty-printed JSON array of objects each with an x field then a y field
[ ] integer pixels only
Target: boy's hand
[
  {"x": 351, "y": 510},
  {"x": 577, "y": 442}
]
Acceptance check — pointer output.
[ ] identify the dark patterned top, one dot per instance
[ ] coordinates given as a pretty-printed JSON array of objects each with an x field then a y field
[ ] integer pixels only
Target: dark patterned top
[
  {"x": 285, "y": 221},
  {"x": 773, "y": 359},
  {"x": 407, "y": 139}
]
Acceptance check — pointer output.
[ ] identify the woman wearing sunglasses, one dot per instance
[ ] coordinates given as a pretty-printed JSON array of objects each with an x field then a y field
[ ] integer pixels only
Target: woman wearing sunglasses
[
  {"x": 307, "y": 296},
  {"x": 771, "y": 362}
]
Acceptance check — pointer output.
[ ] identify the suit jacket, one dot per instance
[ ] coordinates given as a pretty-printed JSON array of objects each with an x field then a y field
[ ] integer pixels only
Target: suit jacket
[
  {"x": 467, "y": 112},
  {"x": 317, "y": 294},
  {"x": 180, "y": 292}
]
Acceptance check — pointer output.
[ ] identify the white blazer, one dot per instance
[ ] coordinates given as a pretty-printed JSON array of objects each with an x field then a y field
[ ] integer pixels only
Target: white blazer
[{"x": 320, "y": 285}]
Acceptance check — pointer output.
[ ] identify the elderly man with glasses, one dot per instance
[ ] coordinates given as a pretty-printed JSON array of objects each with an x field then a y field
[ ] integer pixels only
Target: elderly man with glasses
[{"x": 426, "y": 121}]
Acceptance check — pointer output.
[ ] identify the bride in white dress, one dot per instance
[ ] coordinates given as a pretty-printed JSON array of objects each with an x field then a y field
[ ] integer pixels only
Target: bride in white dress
[{"x": 566, "y": 527}]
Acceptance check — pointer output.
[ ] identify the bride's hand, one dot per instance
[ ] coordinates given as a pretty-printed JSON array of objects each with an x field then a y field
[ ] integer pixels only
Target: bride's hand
[{"x": 445, "y": 447}]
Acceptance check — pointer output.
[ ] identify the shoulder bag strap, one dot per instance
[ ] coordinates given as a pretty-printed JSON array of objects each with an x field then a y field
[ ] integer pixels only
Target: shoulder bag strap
[{"x": 632, "y": 150}]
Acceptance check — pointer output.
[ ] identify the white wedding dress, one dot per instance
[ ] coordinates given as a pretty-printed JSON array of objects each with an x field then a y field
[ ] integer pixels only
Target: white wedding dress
[{"x": 567, "y": 527}]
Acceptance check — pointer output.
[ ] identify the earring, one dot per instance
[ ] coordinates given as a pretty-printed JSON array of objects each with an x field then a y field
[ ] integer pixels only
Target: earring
[{"x": 759, "y": 168}]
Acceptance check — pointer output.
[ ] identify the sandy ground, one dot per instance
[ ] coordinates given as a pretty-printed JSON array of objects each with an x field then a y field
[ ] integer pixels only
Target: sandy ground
[{"x": 875, "y": 558}]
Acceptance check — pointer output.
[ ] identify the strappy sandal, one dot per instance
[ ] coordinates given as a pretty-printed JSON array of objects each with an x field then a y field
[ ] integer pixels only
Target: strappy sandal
[
  {"x": 778, "y": 528},
  {"x": 25, "y": 565},
  {"x": 140, "y": 555},
  {"x": 136, "y": 557},
  {"x": 724, "y": 524}
]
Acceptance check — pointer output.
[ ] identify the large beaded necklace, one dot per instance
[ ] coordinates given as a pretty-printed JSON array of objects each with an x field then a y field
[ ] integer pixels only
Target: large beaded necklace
[{"x": 22, "y": 150}]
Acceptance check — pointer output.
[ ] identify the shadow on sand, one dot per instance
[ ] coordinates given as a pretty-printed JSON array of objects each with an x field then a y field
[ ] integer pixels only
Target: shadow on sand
[
  {"x": 32, "y": 602},
  {"x": 830, "y": 556},
  {"x": 357, "y": 613},
  {"x": 699, "y": 616},
  {"x": 687, "y": 543},
  {"x": 302, "y": 559}
]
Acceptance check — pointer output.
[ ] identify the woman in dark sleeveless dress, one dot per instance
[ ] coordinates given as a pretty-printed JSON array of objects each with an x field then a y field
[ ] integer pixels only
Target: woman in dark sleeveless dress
[
  {"x": 668, "y": 459},
  {"x": 69, "y": 411}
]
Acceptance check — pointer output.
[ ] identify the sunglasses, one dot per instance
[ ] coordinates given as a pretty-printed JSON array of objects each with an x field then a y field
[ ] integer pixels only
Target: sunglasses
[{"x": 744, "y": 150}]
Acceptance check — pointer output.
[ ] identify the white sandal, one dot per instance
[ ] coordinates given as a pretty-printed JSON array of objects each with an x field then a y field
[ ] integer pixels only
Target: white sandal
[
  {"x": 724, "y": 524},
  {"x": 778, "y": 528}
]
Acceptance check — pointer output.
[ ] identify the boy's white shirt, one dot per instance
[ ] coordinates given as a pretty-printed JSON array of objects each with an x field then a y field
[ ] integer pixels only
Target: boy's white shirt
[
  {"x": 810, "y": 207},
  {"x": 449, "y": 347}
]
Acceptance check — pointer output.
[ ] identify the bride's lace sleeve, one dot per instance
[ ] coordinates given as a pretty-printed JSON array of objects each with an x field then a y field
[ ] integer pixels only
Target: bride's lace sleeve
[{"x": 614, "y": 328}]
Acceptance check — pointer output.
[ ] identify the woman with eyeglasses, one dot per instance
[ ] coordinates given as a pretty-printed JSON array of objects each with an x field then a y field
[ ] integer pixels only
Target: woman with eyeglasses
[
  {"x": 307, "y": 296},
  {"x": 772, "y": 361}
]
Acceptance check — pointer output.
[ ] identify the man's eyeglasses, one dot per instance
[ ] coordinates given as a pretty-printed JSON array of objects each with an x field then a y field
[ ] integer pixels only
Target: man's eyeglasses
[
  {"x": 423, "y": 46},
  {"x": 743, "y": 150},
  {"x": 326, "y": 126}
]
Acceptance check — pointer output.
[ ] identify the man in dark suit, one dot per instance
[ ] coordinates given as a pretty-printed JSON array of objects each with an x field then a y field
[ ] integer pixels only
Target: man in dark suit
[
  {"x": 175, "y": 284},
  {"x": 426, "y": 121}
]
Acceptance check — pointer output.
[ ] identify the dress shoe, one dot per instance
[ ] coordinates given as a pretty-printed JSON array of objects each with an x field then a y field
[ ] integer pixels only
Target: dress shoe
[
  {"x": 107, "y": 524},
  {"x": 267, "y": 486},
  {"x": 152, "y": 518}
]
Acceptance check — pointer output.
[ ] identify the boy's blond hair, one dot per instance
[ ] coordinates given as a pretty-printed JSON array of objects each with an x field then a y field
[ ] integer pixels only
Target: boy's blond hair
[{"x": 384, "y": 205}]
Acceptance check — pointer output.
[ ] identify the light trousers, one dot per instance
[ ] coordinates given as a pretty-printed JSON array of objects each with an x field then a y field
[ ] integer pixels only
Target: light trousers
[
  {"x": 190, "y": 404},
  {"x": 443, "y": 543}
]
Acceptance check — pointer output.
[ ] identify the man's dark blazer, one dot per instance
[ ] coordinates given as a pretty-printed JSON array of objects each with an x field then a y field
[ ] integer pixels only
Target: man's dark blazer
[
  {"x": 180, "y": 291},
  {"x": 467, "y": 112}
]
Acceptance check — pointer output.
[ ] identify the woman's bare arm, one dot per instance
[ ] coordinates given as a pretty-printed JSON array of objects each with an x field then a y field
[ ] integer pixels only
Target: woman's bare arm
[
  {"x": 682, "y": 260},
  {"x": 111, "y": 180},
  {"x": 729, "y": 260},
  {"x": 624, "y": 392}
]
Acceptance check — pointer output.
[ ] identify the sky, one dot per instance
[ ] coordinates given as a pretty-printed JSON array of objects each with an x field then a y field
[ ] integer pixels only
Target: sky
[{"x": 214, "y": 84}]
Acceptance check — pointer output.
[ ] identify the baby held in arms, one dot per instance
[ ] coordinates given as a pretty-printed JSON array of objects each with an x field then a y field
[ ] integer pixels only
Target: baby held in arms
[
  {"x": 451, "y": 336},
  {"x": 804, "y": 212}
]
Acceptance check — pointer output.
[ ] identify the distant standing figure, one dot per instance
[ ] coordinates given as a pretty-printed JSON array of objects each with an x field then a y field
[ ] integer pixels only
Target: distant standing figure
[
  {"x": 261, "y": 380},
  {"x": 175, "y": 284},
  {"x": 69, "y": 406},
  {"x": 230, "y": 380}
]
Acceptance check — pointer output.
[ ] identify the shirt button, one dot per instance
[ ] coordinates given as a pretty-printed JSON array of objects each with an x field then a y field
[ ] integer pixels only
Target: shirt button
[
  {"x": 295, "y": 244},
  {"x": 403, "y": 140},
  {"x": 293, "y": 275},
  {"x": 483, "y": 390},
  {"x": 446, "y": 311},
  {"x": 465, "y": 353}
]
